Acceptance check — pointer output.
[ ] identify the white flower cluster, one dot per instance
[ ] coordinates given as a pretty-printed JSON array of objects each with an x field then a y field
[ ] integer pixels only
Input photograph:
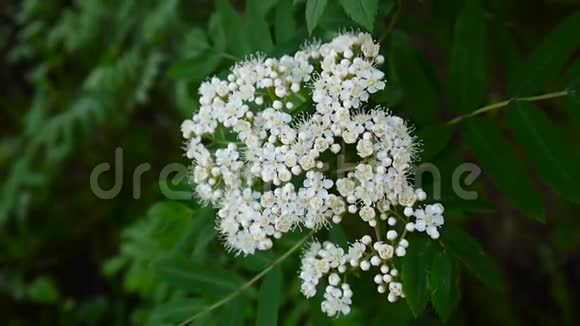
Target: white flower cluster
[
  {"x": 364, "y": 254},
  {"x": 265, "y": 145}
]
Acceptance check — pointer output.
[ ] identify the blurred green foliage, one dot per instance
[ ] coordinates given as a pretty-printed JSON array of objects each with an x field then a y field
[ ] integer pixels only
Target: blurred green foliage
[{"x": 82, "y": 78}]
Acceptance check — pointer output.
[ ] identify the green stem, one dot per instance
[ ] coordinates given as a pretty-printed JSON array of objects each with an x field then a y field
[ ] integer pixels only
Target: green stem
[
  {"x": 377, "y": 228},
  {"x": 343, "y": 170},
  {"x": 404, "y": 220},
  {"x": 246, "y": 285},
  {"x": 224, "y": 54},
  {"x": 404, "y": 234},
  {"x": 301, "y": 97},
  {"x": 495, "y": 106},
  {"x": 225, "y": 142},
  {"x": 397, "y": 215}
]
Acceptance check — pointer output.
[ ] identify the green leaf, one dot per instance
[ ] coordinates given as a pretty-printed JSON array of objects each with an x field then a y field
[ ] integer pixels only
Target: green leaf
[
  {"x": 572, "y": 77},
  {"x": 419, "y": 95},
  {"x": 391, "y": 96},
  {"x": 198, "y": 234},
  {"x": 285, "y": 26},
  {"x": 258, "y": 30},
  {"x": 499, "y": 162},
  {"x": 315, "y": 315},
  {"x": 260, "y": 7},
  {"x": 337, "y": 236},
  {"x": 175, "y": 311},
  {"x": 114, "y": 265},
  {"x": 295, "y": 314},
  {"x": 256, "y": 262},
  {"x": 548, "y": 58},
  {"x": 195, "y": 69},
  {"x": 170, "y": 209},
  {"x": 545, "y": 148},
  {"x": 187, "y": 105},
  {"x": 205, "y": 234},
  {"x": 467, "y": 71},
  {"x": 415, "y": 274},
  {"x": 572, "y": 106},
  {"x": 36, "y": 114},
  {"x": 505, "y": 49},
  {"x": 269, "y": 298},
  {"x": 361, "y": 11},
  {"x": 354, "y": 317},
  {"x": 217, "y": 32},
  {"x": 478, "y": 206},
  {"x": 233, "y": 312},
  {"x": 196, "y": 277},
  {"x": 43, "y": 290},
  {"x": 155, "y": 24},
  {"x": 314, "y": 10},
  {"x": 171, "y": 220},
  {"x": 463, "y": 247},
  {"x": 444, "y": 285},
  {"x": 571, "y": 80},
  {"x": 334, "y": 18},
  {"x": 231, "y": 22},
  {"x": 195, "y": 43},
  {"x": 434, "y": 139}
]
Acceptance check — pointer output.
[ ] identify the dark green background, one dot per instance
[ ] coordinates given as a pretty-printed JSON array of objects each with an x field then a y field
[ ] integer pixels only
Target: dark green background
[{"x": 82, "y": 78}]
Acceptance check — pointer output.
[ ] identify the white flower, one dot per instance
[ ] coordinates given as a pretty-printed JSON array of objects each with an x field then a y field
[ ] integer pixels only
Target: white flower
[
  {"x": 429, "y": 220},
  {"x": 268, "y": 169},
  {"x": 367, "y": 213},
  {"x": 337, "y": 300},
  {"x": 395, "y": 291},
  {"x": 334, "y": 255},
  {"x": 356, "y": 251},
  {"x": 400, "y": 251},
  {"x": 364, "y": 148},
  {"x": 384, "y": 250}
]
